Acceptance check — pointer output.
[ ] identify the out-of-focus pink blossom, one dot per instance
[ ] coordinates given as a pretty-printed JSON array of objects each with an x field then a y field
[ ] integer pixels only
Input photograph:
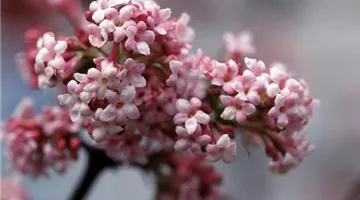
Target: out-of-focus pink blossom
[
  {"x": 240, "y": 44},
  {"x": 190, "y": 177},
  {"x": 223, "y": 149},
  {"x": 11, "y": 188},
  {"x": 36, "y": 142}
]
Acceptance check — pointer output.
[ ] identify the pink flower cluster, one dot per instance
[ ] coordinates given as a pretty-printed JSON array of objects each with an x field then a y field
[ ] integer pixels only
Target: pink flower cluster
[
  {"x": 137, "y": 25},
  {"x": 36, "y": 142},
  {"x": 47, "y": 59},
  {"x": 11, "y": 188},
  {"x": 267, "y": 102},
  {"x": 131, "y": 80},
  {"x": 26, "y": 59},
  {"x": 185, "y": 176}
]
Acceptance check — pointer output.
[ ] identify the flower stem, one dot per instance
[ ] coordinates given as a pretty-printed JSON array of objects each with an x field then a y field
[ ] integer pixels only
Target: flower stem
[{"x": 97, "y": 162}]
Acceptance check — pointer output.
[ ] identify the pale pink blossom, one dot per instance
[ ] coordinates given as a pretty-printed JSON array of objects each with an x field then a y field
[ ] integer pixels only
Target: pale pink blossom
[
  {"x": 256, "y": 66},
  {"x": 193, "y": 142},
  {"x": 190, "y": 115},
  {"x": 292, "y": 159},
  {"x": 12, "y": 188},
  {"x": 121, "y": 107},
  {"x": 183, "y": 32},
  {"x": 185, "y": 77},
  {"x": 236, "y": 109},
  {"x": 224, "y": 149},
  {"x": 139, "y": 38},
  {"x": 241, "y": 44},
  {"x": 36, "y": 142},
  {"x": 77, "y": 100},
  {"x": 224, "y": 74},
  {"x": 131, "y": 74},
  {"x": 159, "y": 20},
  {"x": 101, "y": 8},
  {"x": 49, "y": 59}
]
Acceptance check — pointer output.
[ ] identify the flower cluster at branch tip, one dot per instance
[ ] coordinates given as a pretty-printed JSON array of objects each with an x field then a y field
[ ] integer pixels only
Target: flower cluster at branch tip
[
  {"x": 137, "y": 25},
  {"x": 11, "y": 188},
  {"x": 267, "y": 102},
  {"x": 37, "y": 142},
  {"x": 129, "y": 78}
]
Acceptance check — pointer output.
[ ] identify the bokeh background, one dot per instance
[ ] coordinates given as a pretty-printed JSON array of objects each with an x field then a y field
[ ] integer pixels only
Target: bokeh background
[{"x": 319, "y": 40}]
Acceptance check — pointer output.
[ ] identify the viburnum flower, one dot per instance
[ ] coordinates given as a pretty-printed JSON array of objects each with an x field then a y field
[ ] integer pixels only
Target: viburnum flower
[
  {"x": 26, "y": 59},
  {"x": 223, "y": 149},
  {"x": 128, "y": 79},
  {"x": 49, "y": 59},
  {"x": 12, "y": 188},
  {"x": 190, "y": 115},
  {"x": 39, "y": 141},
  {"x": 224, "y": 74},
  {"x": 239, "y": 45},
  {"x": 296, "y": 153},
  {"x": 281, "y": 102},
  {"x": 236, "y": 108}
]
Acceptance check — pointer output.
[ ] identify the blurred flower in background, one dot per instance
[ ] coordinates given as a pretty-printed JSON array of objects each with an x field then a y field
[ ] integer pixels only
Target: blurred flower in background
[{"x": 11, "y": 188}]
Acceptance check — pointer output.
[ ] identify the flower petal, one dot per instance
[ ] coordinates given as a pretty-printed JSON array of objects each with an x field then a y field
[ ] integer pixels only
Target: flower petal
[{"x": 191, "y": 125}]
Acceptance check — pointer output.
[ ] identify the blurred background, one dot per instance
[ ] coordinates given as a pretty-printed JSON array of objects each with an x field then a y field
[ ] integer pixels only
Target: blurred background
[{"x": 318, "y": 40}]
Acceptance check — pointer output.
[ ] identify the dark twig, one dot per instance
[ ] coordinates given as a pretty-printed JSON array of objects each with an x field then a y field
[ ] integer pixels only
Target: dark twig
[{"x": 97, "y": 162}]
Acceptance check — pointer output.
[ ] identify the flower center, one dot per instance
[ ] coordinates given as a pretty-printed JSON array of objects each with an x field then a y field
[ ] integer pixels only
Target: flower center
[
  {"x": 104, "y": 81},
  {"x": 191, "y": 113},
  {"x": 238, "y": 106},
  {"x": 120, "y": 105}
]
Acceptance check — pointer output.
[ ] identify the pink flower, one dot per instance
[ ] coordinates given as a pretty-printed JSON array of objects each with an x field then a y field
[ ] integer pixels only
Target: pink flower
[
  {"x": 185, "y": 78},
  {"x": 97, "y": 36},
  {"x": 49, "y": 59},
  {"x": 77, "y": 100},
  {"x": 102, "y": 131},
  {"x": 121, "y": 106},
  {"x": 292, "y": 159},
  {"x": 236, "y": 109},
  {"x": 240, "y": 44},
  {"x": 36, "y": 142},
  {"x": 223, "y": 149},
  {"x": 190, "y": 115},
  {"x": 99, "y": 81},
  {"x": 255, "y": 66},
  {"x": 183, "y": 32},
  {"x": 139, "y": 38},
  {"x": 12, "y": 189},
  {"x": 26, "y": 59},
  {"x": 101, "y": 8},
  {"x": 131, "y": 74},
  {"x": 194, "y": 142},
  {"x": 223, "y": 74},
  {"x": 278, "y": 76},
  {"x": 159, "y": 20}
]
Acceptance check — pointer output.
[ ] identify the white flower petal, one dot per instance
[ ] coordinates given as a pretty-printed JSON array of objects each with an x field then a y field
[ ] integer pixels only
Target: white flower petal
[{"x": 191, "y": 125}]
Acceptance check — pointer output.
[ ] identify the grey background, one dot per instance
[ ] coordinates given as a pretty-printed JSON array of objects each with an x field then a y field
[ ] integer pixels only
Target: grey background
[{"x": 318, "y": 39}]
